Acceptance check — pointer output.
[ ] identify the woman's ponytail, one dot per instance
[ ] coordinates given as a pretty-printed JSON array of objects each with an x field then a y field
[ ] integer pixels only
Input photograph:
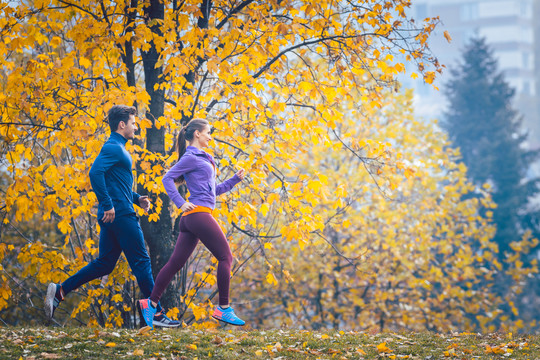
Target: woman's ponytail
[
  {"x": 186, "y": 134},
  {"x": 181, "y": 142}
]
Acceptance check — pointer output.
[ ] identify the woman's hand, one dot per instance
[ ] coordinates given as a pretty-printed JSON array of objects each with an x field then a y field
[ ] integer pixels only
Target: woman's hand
[
  {"x": 188, "y": 207},
  {"x": 241, "y": 174}
]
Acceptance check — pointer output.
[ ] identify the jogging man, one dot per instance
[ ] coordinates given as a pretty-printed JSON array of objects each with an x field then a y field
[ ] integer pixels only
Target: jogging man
[{"x": 112, "y": 181}]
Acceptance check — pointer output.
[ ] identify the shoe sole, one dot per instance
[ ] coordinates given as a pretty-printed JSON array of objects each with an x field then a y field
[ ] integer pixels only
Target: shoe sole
[
  {"x": 226, "y": 322},
  {"x": 160, "y": 324},
  {"x": 49, "y": 301}
]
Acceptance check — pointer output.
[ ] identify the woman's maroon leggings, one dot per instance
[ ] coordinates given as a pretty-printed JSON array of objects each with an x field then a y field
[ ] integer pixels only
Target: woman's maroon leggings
[{"x": 193, "y": 227}]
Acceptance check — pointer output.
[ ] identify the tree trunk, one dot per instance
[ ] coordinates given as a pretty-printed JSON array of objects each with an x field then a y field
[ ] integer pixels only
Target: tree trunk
[{"x": 158, "y": 235}]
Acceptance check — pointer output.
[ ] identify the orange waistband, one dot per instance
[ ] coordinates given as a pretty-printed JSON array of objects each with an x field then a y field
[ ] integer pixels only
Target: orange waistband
[{"x": 198, "y": 209}]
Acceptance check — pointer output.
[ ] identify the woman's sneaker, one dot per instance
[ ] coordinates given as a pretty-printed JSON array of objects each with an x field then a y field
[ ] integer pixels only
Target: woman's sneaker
[
  {"x": 147, "y": 311},
  {"x": 163, "y": 321},
  {"x": 227, "y": 315},
  {"x": 52, "y": 299}
]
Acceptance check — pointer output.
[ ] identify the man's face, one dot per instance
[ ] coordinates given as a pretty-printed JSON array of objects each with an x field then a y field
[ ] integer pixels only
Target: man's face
[{"x": 128, "y": 129}]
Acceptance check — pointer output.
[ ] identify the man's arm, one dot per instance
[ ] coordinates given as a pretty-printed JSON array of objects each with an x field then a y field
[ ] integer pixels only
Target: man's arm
[
  {"x": 135, "y": 198},
  {"x": 106, "y": 159}
]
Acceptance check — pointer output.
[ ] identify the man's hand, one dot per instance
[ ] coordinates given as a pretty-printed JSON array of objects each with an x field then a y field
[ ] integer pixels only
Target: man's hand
[
  {"x": 108, "y": 216},
  {"x": 144, "y": 203},
  {"x": 241, "y": 173},
  {"x": 188, "y": 207}
]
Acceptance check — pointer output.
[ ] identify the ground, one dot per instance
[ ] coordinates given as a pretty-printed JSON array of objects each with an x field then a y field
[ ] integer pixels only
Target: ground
[{"x": 235, "y": 343}]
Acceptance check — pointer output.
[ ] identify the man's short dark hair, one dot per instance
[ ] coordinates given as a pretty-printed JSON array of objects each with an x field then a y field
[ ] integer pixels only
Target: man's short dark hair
[{"x": 120, "y": 113}]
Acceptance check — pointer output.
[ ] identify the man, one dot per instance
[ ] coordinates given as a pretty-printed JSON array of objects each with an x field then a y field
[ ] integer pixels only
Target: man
[{"x": 112, "y": 181}]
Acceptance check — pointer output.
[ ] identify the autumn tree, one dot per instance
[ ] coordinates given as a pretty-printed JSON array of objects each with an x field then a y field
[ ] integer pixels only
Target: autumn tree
[
  {"x": 249, "y": 66},
  {"x": 407, "y": 252}
]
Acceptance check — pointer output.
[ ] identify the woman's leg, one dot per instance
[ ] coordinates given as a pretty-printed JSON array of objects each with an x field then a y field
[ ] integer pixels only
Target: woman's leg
[
  {"x": 206, "y": 228},
  {"x": 183, "y": 249}
]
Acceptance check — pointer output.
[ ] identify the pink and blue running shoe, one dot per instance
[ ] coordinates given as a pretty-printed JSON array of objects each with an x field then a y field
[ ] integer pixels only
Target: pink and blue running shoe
[
  {"x": 228, "y": 316},
  {"x": 147, "y": 312}
]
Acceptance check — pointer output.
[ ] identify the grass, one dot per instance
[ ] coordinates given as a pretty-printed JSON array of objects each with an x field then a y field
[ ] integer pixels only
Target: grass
[{"x": 234, "y": 344}]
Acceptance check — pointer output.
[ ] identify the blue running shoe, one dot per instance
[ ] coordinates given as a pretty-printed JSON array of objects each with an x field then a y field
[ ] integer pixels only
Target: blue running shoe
[
  {"x": 52, "y": 299},
  {"x": 228, "y": 316},
  {"x": 147, "y": 311},
  {"x": 163, "y": 320}
]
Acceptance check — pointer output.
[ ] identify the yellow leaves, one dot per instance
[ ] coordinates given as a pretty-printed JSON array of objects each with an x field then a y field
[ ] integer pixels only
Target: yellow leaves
[
  {"x": 144, "y": 331},
  {"x": 264, "y": 208},
  {"x": 138, "y": 352},
  {"x": 429, "y": 77},
  {"x": 382, "y": 348},
  {"x": 110, "y": 344},
  {"x": 409, "y": 172},
  {"x": 64, "y": 226},
  {"x": 191, "y": 347},
  {"x": 361, "y": 352},
  {"x": 173, "y": 313},
  {"x": 270, "y": 278},
  {"x": 494, "y": 350},
  {"x": 200, "y": 312},
  {"x": 85, "y": 63},
  {"x": 447, "y": 36}
]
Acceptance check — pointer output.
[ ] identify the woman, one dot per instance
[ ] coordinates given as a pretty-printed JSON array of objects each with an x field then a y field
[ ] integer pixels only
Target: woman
[{"x": 198, "y": 170}]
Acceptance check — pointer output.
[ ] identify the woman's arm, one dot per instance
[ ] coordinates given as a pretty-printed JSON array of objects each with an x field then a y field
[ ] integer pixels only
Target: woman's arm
[{"x": 183, "y": 166}]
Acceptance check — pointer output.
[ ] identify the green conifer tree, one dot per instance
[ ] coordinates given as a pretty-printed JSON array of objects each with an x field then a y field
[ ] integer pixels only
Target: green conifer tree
[{"x": 483, "y": 123}]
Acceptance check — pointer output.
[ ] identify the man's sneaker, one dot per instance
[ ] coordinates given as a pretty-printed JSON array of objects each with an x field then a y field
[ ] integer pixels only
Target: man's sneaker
[
  {"x": 163, "y": 321},
  {"x": 52, "y": 299},
  {"x": 148, "y": 312},
  {"x": 227, "y": 315}
]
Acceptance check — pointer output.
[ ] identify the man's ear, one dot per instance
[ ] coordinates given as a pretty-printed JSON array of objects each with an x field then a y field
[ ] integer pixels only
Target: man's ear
[{"x": 121, "y": 125}]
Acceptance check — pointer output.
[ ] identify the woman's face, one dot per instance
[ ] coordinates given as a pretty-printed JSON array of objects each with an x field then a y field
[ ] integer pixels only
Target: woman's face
[{"x": 205, "y": 136}]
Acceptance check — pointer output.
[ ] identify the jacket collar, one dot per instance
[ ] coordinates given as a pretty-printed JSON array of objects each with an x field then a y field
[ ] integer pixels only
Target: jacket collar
[
  {"x": 118, "y": 137},
  {"x": 195, "y": 151}
]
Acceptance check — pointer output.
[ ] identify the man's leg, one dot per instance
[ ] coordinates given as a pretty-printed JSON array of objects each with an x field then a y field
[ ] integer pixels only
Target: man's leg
[
  {"x": 131, "y": 240},
  {"x": 109, "y": 252}
]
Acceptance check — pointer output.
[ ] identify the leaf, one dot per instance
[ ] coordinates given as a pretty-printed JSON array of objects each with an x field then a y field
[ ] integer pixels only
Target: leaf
[
  {"x": 382, "y": 348},
  {"x": 447, "y": 36},
  {"x": 138, "y": 352},
  {"x": 271, "y": 279},
  {"x": 144, "y": 330},
  {"x": 50, "y": 355},
  {"x": 110, "y": 344}
]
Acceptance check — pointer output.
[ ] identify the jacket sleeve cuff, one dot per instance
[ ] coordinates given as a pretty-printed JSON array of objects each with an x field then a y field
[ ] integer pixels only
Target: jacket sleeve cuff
[
  {"x": 136, "y": 198},
  {"x": 107, "y": 205}
]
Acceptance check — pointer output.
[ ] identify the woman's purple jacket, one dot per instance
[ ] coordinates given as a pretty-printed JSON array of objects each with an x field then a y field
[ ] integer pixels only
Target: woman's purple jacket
[{"x": 198, "y": 169}]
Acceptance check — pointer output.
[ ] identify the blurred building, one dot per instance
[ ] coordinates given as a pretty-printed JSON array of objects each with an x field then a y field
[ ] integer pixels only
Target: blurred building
[{"x": 511, "y": 28}]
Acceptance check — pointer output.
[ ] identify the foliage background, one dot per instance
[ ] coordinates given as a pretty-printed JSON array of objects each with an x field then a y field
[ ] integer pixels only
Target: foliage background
[{"x": 352, "y": 214}]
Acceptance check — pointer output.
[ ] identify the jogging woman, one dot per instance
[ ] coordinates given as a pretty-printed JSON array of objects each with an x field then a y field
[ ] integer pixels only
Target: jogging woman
[{"x": 198, "y": 170}]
